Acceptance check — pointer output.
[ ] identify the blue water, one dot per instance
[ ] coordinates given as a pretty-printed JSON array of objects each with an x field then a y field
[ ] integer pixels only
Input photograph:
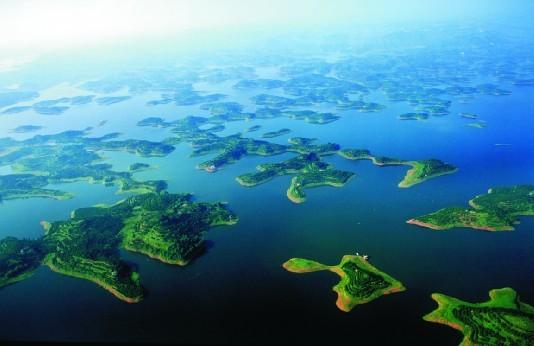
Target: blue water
[{"x": 237, "y": 290}]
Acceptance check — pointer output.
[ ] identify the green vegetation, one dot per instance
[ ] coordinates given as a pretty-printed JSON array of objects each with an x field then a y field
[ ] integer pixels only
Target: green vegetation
[
  {"x": 315, "y": 178},
  {"x": 360, "y": 281},
  {"x": 425, "y": 169},
  {"x": 468, "y": 115},
  {"x": 421, "y": 170},
  {"x": 167, "y": 227},
  {"x": 310, "y": 171},
  {"x": 478, "y": 124},
  {"x": 311, "y": 117},
  {"x": 495, "y": 211},
  {"x": 278, "y": 133},
  {"x": 219, "y": 108},
  {"x": 138, "y": 166},
  {"x": 70, "y": 156},
  {"x": 272, "y": 101},
  {"x": 233, "y": 148},
  {"x": 18, "y": 259},
  {"x": 413, "y": 116},
  {"x": 503, "y": 320}
]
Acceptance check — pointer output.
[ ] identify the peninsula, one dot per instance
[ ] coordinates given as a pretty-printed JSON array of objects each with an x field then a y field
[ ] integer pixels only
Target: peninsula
[
  {"x": 495, "y": 211},
  {"x": 360, "y": 281},
  {"x": 503, "y": 320}
]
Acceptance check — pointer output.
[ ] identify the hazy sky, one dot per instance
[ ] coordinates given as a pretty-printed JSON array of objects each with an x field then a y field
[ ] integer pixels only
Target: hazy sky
[{"x": 62, "y": 23}]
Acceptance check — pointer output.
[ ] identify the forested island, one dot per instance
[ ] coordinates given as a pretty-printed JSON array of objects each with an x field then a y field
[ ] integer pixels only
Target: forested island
[
  {"x": 503, "y": 320},
  {"x": 360, "y": 281},
  {"x": 421, "y": 170},
  {"x": 164, "y": 226},
  {"x": 309, "y": 171},
  {"x": 495, "y": 211},
  {"x": 71, "y": 156},
  {"x": 277, "y": 133}
]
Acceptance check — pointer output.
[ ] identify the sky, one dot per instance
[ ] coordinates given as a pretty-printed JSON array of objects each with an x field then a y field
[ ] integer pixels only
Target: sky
[{"x": 52, "y": 24}]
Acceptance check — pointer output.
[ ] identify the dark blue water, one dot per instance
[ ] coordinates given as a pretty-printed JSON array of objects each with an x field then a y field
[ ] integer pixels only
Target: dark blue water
[{"x": 238, "y": 291}]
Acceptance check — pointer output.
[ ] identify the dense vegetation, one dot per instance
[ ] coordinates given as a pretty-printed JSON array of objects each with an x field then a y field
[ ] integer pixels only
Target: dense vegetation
[
  {"x": 168, "y": 227},
  {"x": 503, "y": 320},
  {"x": 360, "y": 281},
  {"x": 495, "y": 211},
  {"x": 70, "y": 156}
]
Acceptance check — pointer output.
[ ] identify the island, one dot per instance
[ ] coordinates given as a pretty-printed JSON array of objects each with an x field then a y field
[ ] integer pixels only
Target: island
[
  {"x": 421, "y": 170},
  {"x": 413, "y": 116},
  {"x": 309, "y": 169},
  {"x": 26, "y": 128},
  {"x": 360, "y": 281},
  {"x": 480, "y": 124},
  {"x": 167, "y": 227},
  {"x": 138, "y": 166},
  {"x": 502, "y": 320},
  {"x": 253, "y": 128},
  {"x": 495, "y": 211},
  {"x": 19, "y": 258},
  {"x": 311, "y": 117},
  {"x": 278, "y": 133},
  {"x": 67, "y": 157},
  {"x": 467, "y": 115}
]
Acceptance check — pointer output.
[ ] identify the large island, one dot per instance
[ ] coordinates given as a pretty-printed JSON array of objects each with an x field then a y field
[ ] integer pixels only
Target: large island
[
  {"x": 503, "y": 320},
  {"x": 167, "y": 227},
  {"x": 360, "y": 281},
  {"x": 495, "y": 211}
]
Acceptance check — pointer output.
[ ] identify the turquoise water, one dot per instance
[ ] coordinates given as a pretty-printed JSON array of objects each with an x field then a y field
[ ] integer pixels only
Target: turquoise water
[{"x": 237, "y": 290}]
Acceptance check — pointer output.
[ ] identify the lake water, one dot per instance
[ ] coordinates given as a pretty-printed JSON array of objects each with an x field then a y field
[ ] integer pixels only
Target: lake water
[{"x": 237, "y": 290}]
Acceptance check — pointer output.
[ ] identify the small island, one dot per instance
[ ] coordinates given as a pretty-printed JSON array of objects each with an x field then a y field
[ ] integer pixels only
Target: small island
[
  {"x": 503, "y": 320},
  {"x": 360, "y": 281},
  {"x": 138, "y": 167},
  {"x": 413, "y": 116},
  {"x": 278, "y": 133},
  {"x": 480, "y": 124},
  {"x": 309, "y": 169},
  {"x": 253, "y": 128},
  {"x": 468, "y": 115},
  {"x": 495, "y": 211},
  {"x": 421, "y": 170}
]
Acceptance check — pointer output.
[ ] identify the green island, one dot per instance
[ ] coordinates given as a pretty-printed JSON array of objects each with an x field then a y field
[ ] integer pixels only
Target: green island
[
  {"x": 495, "y": 211},
  {"x": 138, "y": 166},
  {"x": 502, "y": 320},
  {"x": 421, "y": 170},
  {"x": 360, "y": 281},
  {"x": 163, "y": 226},
  {"x": 68, "y": 157},
  {"x": 309, "y": 170},
  {"x": 18, "y": 259},
  {"x": 480, "y": 124},
  {"x": 413, "y": 116},
  {"x": 278, "y": 133},
  {"x": 311, "y": 117}
]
